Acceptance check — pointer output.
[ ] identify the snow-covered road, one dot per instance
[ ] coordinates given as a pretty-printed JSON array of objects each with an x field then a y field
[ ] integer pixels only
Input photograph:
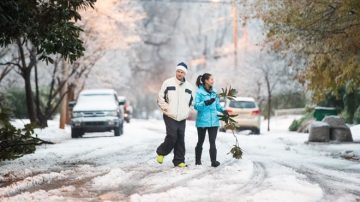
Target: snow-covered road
[{"x": 277, "y": 166}]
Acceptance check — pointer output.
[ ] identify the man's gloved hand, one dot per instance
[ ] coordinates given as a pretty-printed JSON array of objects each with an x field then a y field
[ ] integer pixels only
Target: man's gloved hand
[{"x": 209, "y": 102}]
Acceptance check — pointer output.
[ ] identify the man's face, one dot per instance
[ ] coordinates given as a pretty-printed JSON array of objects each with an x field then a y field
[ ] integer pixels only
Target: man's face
[{"x": 180, "y": 75}]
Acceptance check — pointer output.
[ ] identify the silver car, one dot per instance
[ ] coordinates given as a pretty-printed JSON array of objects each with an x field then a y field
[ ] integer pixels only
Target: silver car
[
  {"x": 97, "y": 110},
  {"x": 247, "y": 113}
]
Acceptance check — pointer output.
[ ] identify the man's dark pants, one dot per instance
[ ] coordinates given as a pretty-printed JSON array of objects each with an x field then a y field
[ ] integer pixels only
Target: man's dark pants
[{"x": 175, "y": 139}]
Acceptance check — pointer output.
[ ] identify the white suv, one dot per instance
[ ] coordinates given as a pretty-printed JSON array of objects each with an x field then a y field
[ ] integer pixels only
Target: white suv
[
  {"x": 97, "y": 110},
  {"x": 247, "y": 111}
]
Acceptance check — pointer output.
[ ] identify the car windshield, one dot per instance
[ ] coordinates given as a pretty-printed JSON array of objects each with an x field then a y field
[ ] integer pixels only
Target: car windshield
[
  {"x": 96, "y": 98},
  {"x": 242, "y": 104}
]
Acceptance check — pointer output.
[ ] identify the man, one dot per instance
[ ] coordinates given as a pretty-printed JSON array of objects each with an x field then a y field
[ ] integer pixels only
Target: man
[{"x": 175, "y": 99}]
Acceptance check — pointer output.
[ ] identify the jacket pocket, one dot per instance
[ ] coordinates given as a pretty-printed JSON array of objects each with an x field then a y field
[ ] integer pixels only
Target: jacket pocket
[{"x": 172, "y": 111}]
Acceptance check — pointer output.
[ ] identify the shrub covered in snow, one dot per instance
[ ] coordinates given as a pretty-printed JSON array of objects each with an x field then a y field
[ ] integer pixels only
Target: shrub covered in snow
[{"x": 302, "y": 124}]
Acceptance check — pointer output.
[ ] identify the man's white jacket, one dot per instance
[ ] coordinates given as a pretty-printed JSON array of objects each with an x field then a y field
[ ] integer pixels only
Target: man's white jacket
[{"x": 176, "y": 98}]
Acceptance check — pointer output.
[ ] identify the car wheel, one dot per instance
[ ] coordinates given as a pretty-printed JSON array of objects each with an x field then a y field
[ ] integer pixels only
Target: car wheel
[
  {"x": 82, "y": 133},
  {"x": 256, "y": 131},
  {"x": 75, "y": 133},
  {"x": 122, "y": 129},
  {"x": 117, "y": 131}
]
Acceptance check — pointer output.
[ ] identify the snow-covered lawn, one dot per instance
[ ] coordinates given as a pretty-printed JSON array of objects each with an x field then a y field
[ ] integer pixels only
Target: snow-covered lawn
[{"x": 277, "y": 166}]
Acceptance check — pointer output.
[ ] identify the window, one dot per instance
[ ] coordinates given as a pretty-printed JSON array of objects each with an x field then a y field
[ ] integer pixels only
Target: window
[
  {"x": 96, "y": 98},
  {"x": 242, "y": 104}
]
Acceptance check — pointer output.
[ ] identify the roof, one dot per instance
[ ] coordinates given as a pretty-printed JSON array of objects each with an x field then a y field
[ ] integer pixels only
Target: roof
[
  {"x": 98, "y": 91},
  {"x": 121, "y": 98}
]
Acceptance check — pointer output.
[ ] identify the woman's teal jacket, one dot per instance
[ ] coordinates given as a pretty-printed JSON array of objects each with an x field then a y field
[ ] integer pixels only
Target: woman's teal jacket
[{"x": 207, "y": 115}]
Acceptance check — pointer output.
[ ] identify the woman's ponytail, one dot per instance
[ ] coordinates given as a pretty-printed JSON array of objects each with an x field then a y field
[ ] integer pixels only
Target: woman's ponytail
[
  {"x": 198, "y": 81},
  {"x": 202, "y": 78}
]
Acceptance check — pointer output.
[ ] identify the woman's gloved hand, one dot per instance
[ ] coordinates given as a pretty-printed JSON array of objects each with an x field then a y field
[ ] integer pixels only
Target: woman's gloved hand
[
  {"x": 226, "y": 113},
  {"x": 209, "y": 102}
]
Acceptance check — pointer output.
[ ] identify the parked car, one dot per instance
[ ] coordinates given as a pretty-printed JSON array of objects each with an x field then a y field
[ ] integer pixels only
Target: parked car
[
  {"x": 127, "y": 108},
  {"x": 97, "y": 110},
  {"x": 247, "y": 111}
]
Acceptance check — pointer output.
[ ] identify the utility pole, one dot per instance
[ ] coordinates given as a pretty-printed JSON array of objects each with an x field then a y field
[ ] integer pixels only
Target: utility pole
[
  {"x": 235, "y": 31},
  {"x": 63, "y": 111}
]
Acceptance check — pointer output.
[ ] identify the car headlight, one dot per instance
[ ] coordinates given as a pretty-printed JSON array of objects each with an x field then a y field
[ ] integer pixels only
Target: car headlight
[
  {"x": 112, "y": 113},
  {"x": 77, "y": 114}
]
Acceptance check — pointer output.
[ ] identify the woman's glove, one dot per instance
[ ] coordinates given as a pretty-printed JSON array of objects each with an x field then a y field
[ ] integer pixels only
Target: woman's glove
[
  {"x": 209, "y": 102},
  {"x": 226, "y": 113}
]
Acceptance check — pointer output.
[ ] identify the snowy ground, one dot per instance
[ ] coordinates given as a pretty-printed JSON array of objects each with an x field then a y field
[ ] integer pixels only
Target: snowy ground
[{"x": 277, "y": 166}]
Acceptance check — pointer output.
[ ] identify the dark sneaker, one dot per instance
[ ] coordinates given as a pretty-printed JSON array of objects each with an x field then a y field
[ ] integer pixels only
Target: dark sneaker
[{"x": 215, "y": 164}]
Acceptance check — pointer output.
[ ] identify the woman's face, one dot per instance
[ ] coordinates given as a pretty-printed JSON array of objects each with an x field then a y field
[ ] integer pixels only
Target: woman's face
[{"x": 210, "y": 81}]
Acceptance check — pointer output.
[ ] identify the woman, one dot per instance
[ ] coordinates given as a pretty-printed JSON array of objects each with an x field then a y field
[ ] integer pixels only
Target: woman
[{"x": 207, "y": 104}]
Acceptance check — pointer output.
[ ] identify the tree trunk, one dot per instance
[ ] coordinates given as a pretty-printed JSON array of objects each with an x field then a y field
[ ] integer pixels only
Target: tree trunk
[
  {"x": 269, "y": 100},
  {"x": 29, "y": 97},
  {"x": 269, "y": 112},
  {"x": 42, "y": 120},
  {"x": 63, "y": 110},
  {"x": 70, "y": 97},
  {"x": 26, "y": 74}
]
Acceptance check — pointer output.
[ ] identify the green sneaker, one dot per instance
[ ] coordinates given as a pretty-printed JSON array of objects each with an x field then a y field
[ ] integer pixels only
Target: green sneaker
[
  {"x": 182, "y": 165},
  {"x": 160, "y": 159}
]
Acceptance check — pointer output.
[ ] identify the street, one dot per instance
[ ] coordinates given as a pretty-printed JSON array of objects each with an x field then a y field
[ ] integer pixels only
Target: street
[{"x": 276, "y": 166}]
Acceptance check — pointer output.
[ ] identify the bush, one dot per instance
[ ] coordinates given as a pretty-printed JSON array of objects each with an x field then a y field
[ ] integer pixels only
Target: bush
[
  {"x": 345, "y": 102},
  {"x": 357, "y": 116},
  {"x": 351, "y": 103},
  {"x": 296, "y": 124},
  {"x": 14, "y": 142},
  {"x": 285, "y": 100},
  {"x": 346, "y": 116},
  {"x": 289, "y": 100},
  {"x": 16, "y": 101}
]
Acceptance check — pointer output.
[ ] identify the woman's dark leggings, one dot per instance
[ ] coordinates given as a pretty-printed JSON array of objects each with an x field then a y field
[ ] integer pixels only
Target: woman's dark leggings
[{"x": 201, "y": 137}]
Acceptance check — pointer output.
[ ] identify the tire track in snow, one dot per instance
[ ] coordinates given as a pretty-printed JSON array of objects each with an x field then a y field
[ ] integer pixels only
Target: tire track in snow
[
  {"x": 200, "y": 174},
  {"x": 253, "y": 184},
  {"x": 35, "y": 181},
  {"x": 256, "y": 180},
  {"x": 332, "y": 186},
  {"x": 52, "y": 180},
  {"x": 257, "y": 177},
  {"x": 67, "y": 166},
  {"x": 133, "y": 185}
]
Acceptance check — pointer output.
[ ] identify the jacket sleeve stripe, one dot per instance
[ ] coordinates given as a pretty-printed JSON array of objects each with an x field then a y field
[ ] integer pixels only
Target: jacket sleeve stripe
[
  {"x": 166, "y": 92},
  {"x": 191, "y": 98}
]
